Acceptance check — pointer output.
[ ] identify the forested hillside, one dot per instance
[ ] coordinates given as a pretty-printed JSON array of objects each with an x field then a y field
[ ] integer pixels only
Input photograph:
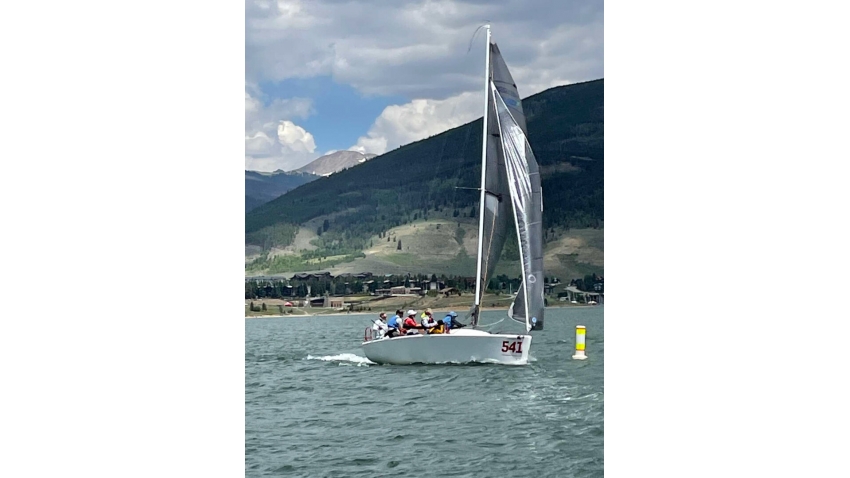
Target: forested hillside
[
  {"x": 261, "y": 188},
  {"x": 413, "y": 182}
]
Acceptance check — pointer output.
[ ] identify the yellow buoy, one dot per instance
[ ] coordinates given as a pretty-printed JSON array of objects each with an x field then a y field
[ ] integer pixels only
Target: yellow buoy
[{"x": 580, "y": 332}]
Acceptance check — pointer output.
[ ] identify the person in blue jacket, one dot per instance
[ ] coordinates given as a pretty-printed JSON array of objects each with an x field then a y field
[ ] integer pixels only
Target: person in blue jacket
[
  {"x": 451, "y": 322},
  {"x": 394, "y": 323}
]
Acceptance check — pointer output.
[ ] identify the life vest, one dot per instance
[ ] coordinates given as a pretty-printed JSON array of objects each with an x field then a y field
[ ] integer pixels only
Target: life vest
[{"x": 409, "y": 323}]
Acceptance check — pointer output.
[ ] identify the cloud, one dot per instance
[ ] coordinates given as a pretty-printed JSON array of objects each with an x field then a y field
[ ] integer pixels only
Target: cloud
[
  {"x": 272, "y": 140},
  {"x": 401, "y": 124},
  {"x": 289, "y": 148},
  {"x": 295, "y": 138},
  {"x": 419, "y": 49},
  {"x": 258, "y": 116},
  {"x": 259, "y": 144}
]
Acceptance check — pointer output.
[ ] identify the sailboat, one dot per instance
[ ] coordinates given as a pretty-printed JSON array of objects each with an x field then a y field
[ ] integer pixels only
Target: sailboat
[{"x": 511, "y": 202}]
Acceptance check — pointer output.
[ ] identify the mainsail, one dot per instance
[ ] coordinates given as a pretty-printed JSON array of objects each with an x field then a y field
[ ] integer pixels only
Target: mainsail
[{"x": 510, "y": 194}]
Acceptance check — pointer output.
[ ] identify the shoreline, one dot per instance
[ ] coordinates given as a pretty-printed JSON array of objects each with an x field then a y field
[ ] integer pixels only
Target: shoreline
[{"x": 483, "y": 309}]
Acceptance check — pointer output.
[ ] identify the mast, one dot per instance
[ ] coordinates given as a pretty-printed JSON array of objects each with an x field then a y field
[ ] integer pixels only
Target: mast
[{"x": 478, "y": 285}]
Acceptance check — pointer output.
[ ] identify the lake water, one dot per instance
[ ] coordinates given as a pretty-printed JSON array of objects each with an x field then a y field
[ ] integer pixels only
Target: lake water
[{"x": 315, "y": 406}]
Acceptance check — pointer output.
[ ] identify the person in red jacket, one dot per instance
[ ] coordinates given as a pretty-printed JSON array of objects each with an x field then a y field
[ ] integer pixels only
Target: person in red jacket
[{"x": 409, "y": 326}]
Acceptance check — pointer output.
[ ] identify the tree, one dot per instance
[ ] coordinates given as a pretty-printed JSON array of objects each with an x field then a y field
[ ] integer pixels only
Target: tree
[
  {"x": 588, "y": 282},
  {"x": 399, "y": 245},
  {"x": 319, "y": 231},
  {"x": 325, "y": 225}
]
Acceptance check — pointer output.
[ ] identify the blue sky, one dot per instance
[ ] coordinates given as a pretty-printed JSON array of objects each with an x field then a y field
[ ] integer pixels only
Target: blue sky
[
  {"x": 371, "y": 75},
  {"x": 340, "y": 113}
]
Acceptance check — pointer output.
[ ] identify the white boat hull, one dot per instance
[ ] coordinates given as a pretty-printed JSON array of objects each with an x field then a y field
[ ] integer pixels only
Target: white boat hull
[{"x": 460, "y": 346}]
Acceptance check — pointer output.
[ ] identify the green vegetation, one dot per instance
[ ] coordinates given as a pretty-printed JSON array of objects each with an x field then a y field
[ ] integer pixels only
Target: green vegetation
[
  {"x": 571, "y": 262},
  {"x": 263, "y": 187},
  {"x": 403, "y": 259},
  {"x": 278, "y": 235},
  {"x": 459, "y": 234},
  {"x": 297, "y": 263},
  {"x": 418, "y": 181}
]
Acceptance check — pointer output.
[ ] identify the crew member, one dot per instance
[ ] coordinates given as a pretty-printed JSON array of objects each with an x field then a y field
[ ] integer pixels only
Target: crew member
[
  {"x": 394, "y": 324},
  {"x": 409, "y": 326},
  {"x": 451, "y": 322},
  {"x": 380, "y": 325},
  {"x": 429, "y": 323}
]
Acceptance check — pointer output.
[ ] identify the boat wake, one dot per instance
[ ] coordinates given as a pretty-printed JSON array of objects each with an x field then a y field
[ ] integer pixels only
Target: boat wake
[{"x": 350, "y": 358}]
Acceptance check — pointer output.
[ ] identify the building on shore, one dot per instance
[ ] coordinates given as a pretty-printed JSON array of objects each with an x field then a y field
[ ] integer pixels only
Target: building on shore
[{"x": 583, "y": 297}]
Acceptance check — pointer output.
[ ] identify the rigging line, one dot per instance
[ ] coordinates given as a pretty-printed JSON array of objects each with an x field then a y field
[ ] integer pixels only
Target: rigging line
[
  {"x": 490, "y": 326},
  {"x": 474, "y": 34}
]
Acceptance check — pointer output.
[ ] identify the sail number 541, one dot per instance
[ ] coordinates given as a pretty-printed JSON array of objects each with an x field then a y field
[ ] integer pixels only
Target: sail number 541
[{"x": 515, "y": 346}]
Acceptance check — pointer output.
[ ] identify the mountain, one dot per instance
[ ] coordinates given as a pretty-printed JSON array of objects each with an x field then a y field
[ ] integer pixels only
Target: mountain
[
  {"x": 334, "y": 162},
  {"x": 353, "y": 210},
  {"x": 261, "y": 188}
]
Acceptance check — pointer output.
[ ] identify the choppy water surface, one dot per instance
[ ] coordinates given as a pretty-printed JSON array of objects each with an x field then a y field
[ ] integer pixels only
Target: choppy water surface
[{"x": 315, "y": 406}]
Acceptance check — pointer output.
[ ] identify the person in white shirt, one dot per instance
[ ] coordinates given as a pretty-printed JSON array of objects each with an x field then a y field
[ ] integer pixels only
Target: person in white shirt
[
  {"x": 428, "y": 321},
  {"x": 380, "y": 326}
]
